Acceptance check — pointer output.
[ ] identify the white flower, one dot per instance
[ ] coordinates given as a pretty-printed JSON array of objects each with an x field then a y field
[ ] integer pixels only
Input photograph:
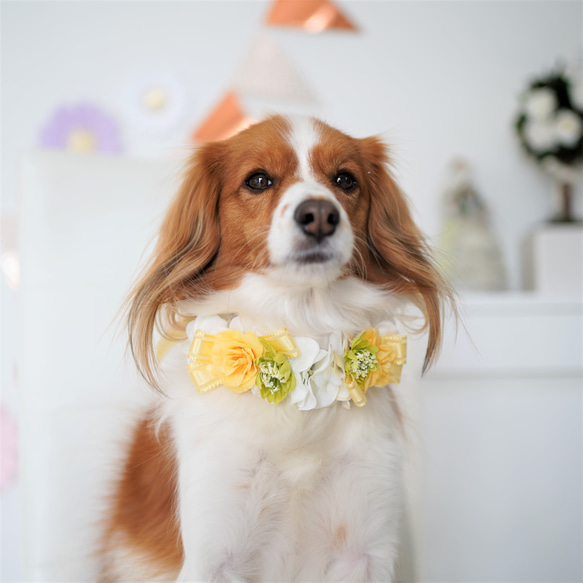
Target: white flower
[
  {"x": 319, "y": 374},
  {"x": 568, "y": 127},
  {"x": 309, "y": 352},
  {"x": 328, "y": 379},
  {"x": 541, "y": 103},
  {"x": 208, "y": 324},
  {"x": 540, "y": 135}
]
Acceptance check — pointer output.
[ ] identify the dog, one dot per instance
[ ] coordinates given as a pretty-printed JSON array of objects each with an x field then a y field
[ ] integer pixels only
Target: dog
[{"x": 270, "y": 322}]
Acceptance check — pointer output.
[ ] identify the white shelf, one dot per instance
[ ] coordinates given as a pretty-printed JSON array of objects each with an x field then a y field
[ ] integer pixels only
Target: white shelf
[
  {"x": 514, "y": 303},
  {"x": 513, "y": 334}
]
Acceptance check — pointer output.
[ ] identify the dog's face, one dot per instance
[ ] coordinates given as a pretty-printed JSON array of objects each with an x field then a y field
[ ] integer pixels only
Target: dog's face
[
  {"x": 293, "y": 201},
  {"x": 297, "y": 201}
]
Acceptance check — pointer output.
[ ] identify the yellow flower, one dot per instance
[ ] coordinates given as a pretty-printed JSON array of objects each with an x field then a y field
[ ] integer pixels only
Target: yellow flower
[
  {"x": 360, "y": 359},
  {"x": 233, "y": 359},
  {"x": 386, "y": 356}
]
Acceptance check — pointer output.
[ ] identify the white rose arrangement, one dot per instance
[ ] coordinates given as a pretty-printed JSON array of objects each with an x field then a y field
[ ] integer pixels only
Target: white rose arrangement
[{"x": 550, "y": 128}]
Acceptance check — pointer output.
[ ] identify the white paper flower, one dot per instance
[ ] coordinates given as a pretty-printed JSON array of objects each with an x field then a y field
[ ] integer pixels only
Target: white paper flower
[
  {"x": 319, "y": 374},
  {"x": 568, "y": 127},
  {"x": 303, "y": 394},
  {"x": 155, "y": 103},
  {"x": 540, "y": 135},
  {"x": 328, "y": 379},
  {"x": 541, "y": 103}
]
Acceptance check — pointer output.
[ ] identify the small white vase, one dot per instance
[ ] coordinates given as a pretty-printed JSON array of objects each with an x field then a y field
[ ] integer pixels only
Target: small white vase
[{"x": 554, "y": 259}]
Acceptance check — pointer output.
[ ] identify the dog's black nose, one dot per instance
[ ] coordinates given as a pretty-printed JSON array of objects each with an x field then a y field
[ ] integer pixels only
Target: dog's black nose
[{"x": 317, "y": 218}]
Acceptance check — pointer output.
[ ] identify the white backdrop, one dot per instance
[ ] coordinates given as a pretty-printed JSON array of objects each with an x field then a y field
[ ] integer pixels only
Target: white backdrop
[{"x": 439, "y": 79}]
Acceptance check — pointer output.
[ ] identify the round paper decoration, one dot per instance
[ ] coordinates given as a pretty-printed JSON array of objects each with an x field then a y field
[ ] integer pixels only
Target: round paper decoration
[
  {"x": 81, "y": 128},
  {"x": 155, "y": 103}
]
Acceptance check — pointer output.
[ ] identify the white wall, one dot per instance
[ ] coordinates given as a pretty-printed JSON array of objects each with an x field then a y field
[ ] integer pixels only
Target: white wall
[{"x": 440, "y": 78}]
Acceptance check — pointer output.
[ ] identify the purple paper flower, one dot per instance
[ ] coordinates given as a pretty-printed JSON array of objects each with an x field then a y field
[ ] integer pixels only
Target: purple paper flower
[{"x": 81, "y": 128}]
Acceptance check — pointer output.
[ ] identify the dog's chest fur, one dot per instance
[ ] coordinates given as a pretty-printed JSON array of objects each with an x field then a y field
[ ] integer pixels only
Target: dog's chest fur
[{"x": 298, "y": 489}]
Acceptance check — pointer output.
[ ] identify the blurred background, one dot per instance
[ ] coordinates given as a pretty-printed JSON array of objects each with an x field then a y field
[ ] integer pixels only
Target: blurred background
[{"x": 482, "y": 105}]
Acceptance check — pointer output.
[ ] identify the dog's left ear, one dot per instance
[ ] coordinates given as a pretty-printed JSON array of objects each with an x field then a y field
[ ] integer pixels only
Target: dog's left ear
[{"x": 399, "y": 256}]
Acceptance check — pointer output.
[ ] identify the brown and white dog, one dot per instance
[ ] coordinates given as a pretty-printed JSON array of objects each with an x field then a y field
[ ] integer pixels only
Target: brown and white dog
[{"x": 288, "y": 226}]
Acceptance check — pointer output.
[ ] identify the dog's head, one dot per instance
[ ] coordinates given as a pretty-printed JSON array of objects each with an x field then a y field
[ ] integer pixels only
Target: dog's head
[{"x": 297, "y": 201}]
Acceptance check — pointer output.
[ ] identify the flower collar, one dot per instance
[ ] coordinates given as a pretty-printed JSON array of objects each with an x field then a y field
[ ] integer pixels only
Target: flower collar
[{"x": 279, "y": 366}]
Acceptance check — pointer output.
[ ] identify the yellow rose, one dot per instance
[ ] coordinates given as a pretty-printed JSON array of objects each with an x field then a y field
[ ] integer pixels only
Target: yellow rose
[
  {"x": 386, "y": 356},
  {"x": 233, "y": 359}
]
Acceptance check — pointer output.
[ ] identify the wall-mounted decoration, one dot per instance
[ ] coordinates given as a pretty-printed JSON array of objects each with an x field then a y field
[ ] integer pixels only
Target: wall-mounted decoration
[
  {"x": 225, "y": 120},
  {"x": 155, "y": 103},
  {"x": 550, "y": 129},
  {"x": 471, "y": 258},
  {"x": 81, "y": 128},
  {"x": 310, "y": 15},
  {"x": 266, "y": 72},
  {"x": 8, "y": 448}
]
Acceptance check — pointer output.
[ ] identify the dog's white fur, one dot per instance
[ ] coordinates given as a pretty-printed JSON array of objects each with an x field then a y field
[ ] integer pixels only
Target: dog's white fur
[{"x": 277, "y": 494}]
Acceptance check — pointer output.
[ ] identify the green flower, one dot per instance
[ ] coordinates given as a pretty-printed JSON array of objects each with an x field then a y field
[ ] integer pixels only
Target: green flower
[
  {"x": 275, "y": 378},
  {"x": 360, "y": 359}
]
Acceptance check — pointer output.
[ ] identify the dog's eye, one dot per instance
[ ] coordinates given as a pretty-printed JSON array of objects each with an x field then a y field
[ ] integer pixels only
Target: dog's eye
[
  {"x": 345, "y": 181},
  {"x": 258, "y": 182}
]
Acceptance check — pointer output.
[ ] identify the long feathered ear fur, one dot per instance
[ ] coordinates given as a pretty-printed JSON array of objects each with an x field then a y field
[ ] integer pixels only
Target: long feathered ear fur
[
  {"x": 187, "y": 245},
  {"x": 400, "y": 257}
]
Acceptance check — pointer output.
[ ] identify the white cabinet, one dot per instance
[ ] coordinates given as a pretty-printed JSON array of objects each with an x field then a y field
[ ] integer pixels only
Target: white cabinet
[{"x": 500, "y": 459}]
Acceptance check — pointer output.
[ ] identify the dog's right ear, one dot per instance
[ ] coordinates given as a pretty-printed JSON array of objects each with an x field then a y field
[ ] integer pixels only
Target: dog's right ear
[{"x": 187, "y": 246}]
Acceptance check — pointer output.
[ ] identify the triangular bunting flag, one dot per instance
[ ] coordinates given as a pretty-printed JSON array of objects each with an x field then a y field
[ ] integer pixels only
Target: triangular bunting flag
[
  {"x": 311, "y": 15},
  {"x": 266, "y": 72},
  {"x": 225, "y": 120}
]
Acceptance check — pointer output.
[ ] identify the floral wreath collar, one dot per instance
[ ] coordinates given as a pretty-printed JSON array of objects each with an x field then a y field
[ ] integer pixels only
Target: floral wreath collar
[{"x": 279, "y": 366}]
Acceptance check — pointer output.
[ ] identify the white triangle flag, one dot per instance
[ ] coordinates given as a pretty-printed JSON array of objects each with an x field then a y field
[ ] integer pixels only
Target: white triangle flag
[{"x": 266, "y": 72}]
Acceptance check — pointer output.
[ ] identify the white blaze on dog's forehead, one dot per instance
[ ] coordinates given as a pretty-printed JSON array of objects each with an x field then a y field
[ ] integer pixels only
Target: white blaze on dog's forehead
[{"x": 302, "y": 138}]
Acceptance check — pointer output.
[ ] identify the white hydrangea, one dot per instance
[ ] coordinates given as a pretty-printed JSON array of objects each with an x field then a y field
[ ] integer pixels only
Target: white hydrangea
[
  {"x": 540, "y": 135},
  {"x": 568, "y": 127},
  {"x": 541, "y": 103}
]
